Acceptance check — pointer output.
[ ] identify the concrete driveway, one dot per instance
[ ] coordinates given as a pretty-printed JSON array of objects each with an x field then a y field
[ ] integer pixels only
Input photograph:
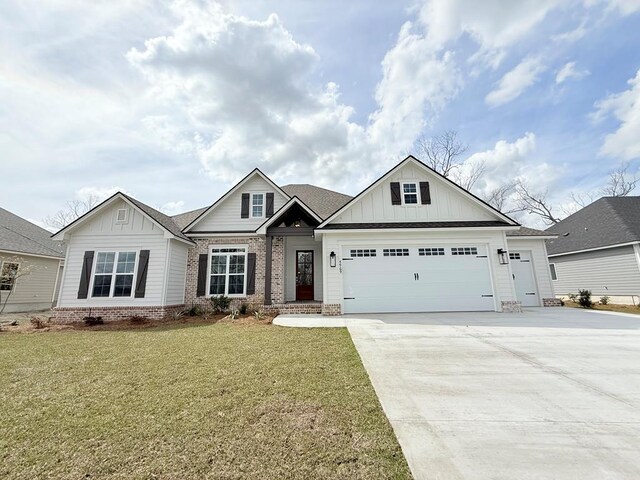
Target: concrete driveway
[{"x": 549, "y": 394}]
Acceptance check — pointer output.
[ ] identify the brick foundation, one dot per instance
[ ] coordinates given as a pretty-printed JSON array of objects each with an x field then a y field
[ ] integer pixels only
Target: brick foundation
[
  {"x": 511, "y": 306},
  {"x": 294, "y": 308},
  {"x": 331, "y": 309},
  {"x": 109, "y": 314},
  {"x": 551, "y": 302}
]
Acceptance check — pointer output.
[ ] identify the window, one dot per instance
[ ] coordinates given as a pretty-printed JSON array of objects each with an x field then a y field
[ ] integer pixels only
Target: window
[
  {"x": 464, "y": 251},
  {"x": 410, "y": 193},
  {"x": 552, "y": 268},
  {"x": 8, "y": 275},
  {"x": 257, "y": 204},
  {"x": 427, "y": 252},
  {"x": 363, "y": 252},
  {"x": 114, "y": 274},
  {"x": 395, "y": 252},
  {"x": 228, "y": 271},
  {"x": 514, "y": 256},
  {"x": 122, "y": 216}
]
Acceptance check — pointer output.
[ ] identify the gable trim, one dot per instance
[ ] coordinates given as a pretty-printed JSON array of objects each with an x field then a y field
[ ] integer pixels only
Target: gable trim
[
  {"x": 230, "y": 192},
  {"x": 262, "y": 229},
  {"x": 413, "y": 159}
]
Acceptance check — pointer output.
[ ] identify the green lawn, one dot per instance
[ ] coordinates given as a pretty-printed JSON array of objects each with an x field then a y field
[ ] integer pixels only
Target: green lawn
[{"x": 217, "y": 401}]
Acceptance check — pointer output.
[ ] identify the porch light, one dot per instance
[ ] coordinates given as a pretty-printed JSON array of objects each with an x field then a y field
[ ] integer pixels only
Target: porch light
[
  {"x": 332, "y": 259},
  {"x": 296, "y": 223},
  {"x": 503, "y": 256}
]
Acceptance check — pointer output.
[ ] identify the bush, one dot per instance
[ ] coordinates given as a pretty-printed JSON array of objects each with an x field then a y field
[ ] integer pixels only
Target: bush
[
  {"x": 584, "y": 298},
  {"x": 195, "y": 311},
  {"x": 38, "y": 323},
  {"x": 573, "y": 297},
  {"x": 243, "y": 308},
  {"x": 220, "y": 303},
  {"x": 604, "y": 300},
  {"x": 93, "y": 321}
]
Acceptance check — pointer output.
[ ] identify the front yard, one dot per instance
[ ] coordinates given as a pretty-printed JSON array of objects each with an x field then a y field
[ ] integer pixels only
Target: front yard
[{"x": 224, "y": 401}]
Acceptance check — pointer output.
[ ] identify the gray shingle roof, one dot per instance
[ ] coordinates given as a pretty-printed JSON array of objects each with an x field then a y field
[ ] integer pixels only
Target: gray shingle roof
[
  {"x": 20, "y": 235},
  {"x": 607, "y": 221},
  {"x": 527, "y": 232},
  {"x": 164, "y": 220},
  {"x": 322, "y": 201},
  {"x": 184, "y": 219}
]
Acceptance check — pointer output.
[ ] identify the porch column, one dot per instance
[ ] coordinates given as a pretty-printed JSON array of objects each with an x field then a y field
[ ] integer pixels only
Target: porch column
[{"x": 267, "y": 270}]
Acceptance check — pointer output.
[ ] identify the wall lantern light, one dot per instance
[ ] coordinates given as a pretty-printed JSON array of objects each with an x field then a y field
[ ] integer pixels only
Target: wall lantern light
[
  {"x": 503, "y": 255},
  {"x": 332, "y": 259}
]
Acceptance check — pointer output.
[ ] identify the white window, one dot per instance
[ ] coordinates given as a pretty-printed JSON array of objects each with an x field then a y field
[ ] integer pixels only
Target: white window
[
  {"x": 363, "y": 252},
  {"x": 464, "y": 251},
  {"x": 257, "y": 205},
  {"x": 122, "y": 216},
  {"x": 410, "y": 193},
  {"x": 552, "y": 268},
  {"x": 395, "y": 252},
  {"x": 228, "y": 271},
  {"x": 114, "y": 277},
  {"x": 431, "y": 252},
  {"x": 8, "y": 275}
]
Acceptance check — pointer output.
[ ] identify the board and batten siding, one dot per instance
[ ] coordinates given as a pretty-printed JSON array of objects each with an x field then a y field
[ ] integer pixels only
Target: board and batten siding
[
  {"x": 33, "y": 291},
  {"x": 225, "y": 216},
  {"x": 613, "y": 271},
  {"x": 503, "y": 288},
  {"x": 102, "y": 233},
  {"x": 447, "y": 204},
  {"x": 540, "y": 263},
  {"x": 177, "y": 271}
]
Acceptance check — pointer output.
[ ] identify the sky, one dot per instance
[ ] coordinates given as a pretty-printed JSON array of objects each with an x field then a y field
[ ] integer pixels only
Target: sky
[{"x": 173, "y": 102}]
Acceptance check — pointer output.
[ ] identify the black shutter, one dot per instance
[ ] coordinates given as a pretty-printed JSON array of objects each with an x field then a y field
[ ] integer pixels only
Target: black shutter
[
  {"x": 425, "y": 195},
  {"x": 141, "y": 280},
  {"x": 202, "y": 275},
  {"x": 85, "y": 274},
  {"x": 251, "y": 273},
  {"x": 269, "y": 204},
  {"x": 395, "y": 193},
  {"x": 244, "y": 212}
]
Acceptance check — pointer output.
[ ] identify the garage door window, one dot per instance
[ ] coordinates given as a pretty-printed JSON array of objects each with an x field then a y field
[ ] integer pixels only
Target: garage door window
[
  {"x": 430, "y": 252},
  {"x": 363, "y": 252},
  {"x": 395, "y": 252},
  {"x": 514, "y": 256},
  {"x": 464, "y": 251}
]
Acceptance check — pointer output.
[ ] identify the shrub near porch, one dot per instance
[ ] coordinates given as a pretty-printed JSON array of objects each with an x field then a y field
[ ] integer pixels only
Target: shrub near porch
[{"x": 214, "y": 401}]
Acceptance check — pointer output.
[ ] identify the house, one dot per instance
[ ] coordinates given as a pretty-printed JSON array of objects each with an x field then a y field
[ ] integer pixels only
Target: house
[
  {"x": 30, "y": 265},
  {"x": 411, "y": 241},
  {"x": 598, "y": 249}
]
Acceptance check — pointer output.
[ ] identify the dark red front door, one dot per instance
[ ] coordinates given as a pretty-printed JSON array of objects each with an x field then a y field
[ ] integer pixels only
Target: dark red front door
[{"x": 304, "y": 275}]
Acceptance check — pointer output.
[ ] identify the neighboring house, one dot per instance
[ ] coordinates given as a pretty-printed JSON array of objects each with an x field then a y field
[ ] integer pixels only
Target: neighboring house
[
  {"x": 412, "y": 241},
  {"x": 30, "y": 265},
  {"x": 597, "y": 249}
]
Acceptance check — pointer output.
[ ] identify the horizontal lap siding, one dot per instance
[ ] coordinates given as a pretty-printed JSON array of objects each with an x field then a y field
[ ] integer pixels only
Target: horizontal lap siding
[
  {"x": 38, "y": 286},
  {"x": 540, "y": 263},
  {"x": 605, "y": 272},
  {"x": 177, "y": 272}
]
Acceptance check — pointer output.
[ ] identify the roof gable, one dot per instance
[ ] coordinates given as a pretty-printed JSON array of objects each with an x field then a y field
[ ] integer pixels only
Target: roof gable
[
  {"x": 224, "y": 213},
  {"x": 322, "y": 201},
  {"x": 277, "y": 216},
  {"x": 20, "y": 235},
  {"x": 449, "y": 202}
]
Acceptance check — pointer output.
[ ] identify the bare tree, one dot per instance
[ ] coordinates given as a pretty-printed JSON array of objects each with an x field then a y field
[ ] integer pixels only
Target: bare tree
[
  {"x": 620, "y": 183},
  {"x": 534, "y": 203},
  {"x": 467, "y": 177},
  {"x": 72, "y": 210},
  {"x": 499, "y": 197},
  {"x": 442, "y": 152}
]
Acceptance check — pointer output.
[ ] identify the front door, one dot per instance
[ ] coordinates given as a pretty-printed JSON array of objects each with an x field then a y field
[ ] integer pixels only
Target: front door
[{"x": 304, "y": 274}]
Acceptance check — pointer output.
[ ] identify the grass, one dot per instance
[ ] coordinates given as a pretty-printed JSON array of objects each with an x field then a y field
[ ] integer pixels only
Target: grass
[
  {"x": 222, "y": 401},
  {"x": 609, "y": 307}
]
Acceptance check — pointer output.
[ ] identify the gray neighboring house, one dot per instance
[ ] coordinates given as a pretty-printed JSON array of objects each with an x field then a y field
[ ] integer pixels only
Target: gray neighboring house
[
  {"x": 598, "y": 249},
  {"x": 27, "y": 247}
]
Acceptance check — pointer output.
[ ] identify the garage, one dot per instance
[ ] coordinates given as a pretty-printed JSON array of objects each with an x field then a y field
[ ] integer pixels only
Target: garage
[{"x": 423, "y": 278}]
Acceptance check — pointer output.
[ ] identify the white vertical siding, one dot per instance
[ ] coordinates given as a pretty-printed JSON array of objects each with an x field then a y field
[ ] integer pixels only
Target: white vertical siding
[
  {"x": 539, "y": 260},
  {"x": 35, "y": 290},
  {"x": 226, "y": 215},
  {"x": 302, "y": 243},
  {"x": 177, "y": 271}
]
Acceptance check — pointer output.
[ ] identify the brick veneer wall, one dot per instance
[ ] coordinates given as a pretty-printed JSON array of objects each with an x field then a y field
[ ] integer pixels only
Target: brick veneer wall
[
  {"x": 108, "y": 314},
  {"x": 512, "y": 306},
  {"x": 331, "y": 309},
  {"x": 551, "y": 302}
]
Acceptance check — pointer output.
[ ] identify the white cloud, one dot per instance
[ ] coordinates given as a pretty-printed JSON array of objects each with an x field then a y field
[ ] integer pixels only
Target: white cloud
[
  {"x": 515, "y": 81},
  {"x": 624, "y": 143},
  {"x": 571, "y": 35},
  {"x": 173, "y": 208},
  {"x": 568, "y": 71},
  {"x": 96, "y": 193}
]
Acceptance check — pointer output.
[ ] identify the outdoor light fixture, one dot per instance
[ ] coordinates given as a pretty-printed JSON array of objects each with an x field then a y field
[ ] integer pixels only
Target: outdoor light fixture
[
  {"x": 503, "y": 255},
  {"x": 296, "y": 223},
  {"x": 332, "y": 259}
]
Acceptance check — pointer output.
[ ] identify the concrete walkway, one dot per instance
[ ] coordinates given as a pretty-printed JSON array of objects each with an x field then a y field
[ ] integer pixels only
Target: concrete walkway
[{"x": 548, "y": 394}]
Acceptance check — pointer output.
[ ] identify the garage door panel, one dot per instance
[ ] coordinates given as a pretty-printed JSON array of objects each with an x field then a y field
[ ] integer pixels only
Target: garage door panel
[{"x": 439, "y": 282}]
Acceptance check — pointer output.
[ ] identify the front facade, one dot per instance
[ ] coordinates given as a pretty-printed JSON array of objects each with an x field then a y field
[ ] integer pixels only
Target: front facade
[{"x": 413, "y": 241}]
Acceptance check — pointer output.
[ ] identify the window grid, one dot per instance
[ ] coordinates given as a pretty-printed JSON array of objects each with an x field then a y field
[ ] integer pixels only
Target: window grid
[
  {"x": 395, "y": 252},
  {"x": 363, "y": 252},
  {"x": 433, "y": 251},
  {"x": 227, "y": 273},
  {"x": 514, "y": 256},
  {"x": 464, "y": 251},
  {"x": 257, "y": 204},
  {"x": 410, "y": 193},
  {"x": 110, "y": 272}
]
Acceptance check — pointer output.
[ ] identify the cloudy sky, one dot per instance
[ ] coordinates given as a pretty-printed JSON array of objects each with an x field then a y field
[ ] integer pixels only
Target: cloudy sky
[{"x": 172, "y": 102}]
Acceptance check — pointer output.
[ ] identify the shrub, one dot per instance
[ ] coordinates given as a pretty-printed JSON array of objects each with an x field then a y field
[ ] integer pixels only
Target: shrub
[
  {"x": 220, "y": 303},
  {"x": 562, "y": 302},
  {"x": 604, "y": 300},
  {"x": 234, "y": 314},
  {"x": 194, "y": 311},
  {"x": 93, "y": 321},
  {"x": 584, "y": 298},
  {"x": 573, "y": 297},
  {"x": 259, "y": 314},
  {"x": 38, "y": 323},
  {"x": 243, "y": 308}
]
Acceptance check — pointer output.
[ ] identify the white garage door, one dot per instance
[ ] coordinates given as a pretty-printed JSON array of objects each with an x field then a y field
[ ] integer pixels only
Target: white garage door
[
  {"x": 523, "y": 279},
  {"x": 430, "y": 278}
]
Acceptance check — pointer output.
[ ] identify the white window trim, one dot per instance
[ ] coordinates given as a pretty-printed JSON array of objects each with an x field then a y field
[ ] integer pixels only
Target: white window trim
[
  {"x": 13, "y": 286},
  {"x": 410, "y": 182},
  {"x": 554, "y": 270},
  {"x": 113, "y": 273},
  {"x": 226, "y": 283},
  {"x": 126, "y": 216},
  {"x": 264, "y": 204}
]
